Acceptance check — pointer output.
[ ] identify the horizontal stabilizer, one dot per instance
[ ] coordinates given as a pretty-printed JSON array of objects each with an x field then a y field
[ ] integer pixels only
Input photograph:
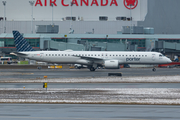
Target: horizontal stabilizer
[{"x": 18, "y": 54}]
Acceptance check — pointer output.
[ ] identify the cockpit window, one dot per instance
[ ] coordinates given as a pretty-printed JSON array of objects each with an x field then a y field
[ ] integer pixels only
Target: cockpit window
[{"x": 160, "y": 55}]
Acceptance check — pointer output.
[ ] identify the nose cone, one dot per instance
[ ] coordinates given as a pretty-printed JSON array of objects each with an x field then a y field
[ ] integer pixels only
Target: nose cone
[{"x": 168, "y": 60}]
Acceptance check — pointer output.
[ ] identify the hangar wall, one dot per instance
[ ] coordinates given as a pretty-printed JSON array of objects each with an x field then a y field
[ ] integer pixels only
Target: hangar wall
[{"x": 163, "y": 16}]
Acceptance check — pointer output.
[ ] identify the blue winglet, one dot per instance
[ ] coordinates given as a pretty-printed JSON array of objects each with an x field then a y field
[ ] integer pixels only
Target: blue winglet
[{"x": 20, "y": 43}]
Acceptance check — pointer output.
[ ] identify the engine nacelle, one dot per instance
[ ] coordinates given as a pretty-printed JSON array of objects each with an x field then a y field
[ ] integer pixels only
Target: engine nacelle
[{"x": 111, "y": 64}]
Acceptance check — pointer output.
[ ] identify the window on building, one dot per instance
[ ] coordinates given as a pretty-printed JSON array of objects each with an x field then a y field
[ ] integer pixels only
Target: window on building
[
  {"x": 121, "y": 18},
  {"x": 69, "y": 18},
  {"x": 103, "y": 18}
]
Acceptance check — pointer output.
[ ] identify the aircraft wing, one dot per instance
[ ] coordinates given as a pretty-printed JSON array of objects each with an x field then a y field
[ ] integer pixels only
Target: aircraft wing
[{"x": 88, "y": 58}]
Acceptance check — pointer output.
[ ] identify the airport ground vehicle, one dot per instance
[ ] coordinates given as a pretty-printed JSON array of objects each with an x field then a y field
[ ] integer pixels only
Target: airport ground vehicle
[{"x": 7, "y": 60}]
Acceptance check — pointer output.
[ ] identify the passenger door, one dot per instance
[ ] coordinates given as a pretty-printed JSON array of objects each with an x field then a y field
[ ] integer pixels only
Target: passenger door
[
  {"x": 153, "y": 57},
  {"x": 41, "y": 56}
]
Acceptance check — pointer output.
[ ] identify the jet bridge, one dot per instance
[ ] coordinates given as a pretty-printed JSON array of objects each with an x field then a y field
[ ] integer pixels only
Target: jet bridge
[{"x": 164, "y": 46}]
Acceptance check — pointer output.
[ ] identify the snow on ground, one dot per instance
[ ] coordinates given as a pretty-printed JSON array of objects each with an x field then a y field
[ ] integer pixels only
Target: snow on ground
[
  {"x": 144, "y": 79},
  {"x": 160, "y": 96},
  {"x": 150, "y": 96}
]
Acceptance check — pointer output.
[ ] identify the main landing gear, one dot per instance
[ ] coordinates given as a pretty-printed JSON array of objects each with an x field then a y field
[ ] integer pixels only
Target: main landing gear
[
  {"x": 154, "y": 69},
  {"x": 92, "y": 69}
]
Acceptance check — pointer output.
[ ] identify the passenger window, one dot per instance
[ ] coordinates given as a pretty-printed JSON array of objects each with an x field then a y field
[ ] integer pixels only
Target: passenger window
[{"x": 62, "y": 54}]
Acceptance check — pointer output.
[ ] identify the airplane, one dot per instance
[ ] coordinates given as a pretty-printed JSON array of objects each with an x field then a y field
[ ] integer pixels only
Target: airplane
[{"x": 92, "y": 59}]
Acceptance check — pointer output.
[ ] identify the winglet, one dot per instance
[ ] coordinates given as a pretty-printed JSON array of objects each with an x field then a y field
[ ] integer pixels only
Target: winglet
[{"x": 20, "y": 43}]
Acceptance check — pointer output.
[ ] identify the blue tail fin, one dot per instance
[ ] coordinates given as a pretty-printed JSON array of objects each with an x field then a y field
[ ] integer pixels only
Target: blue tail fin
[{"x": 20, "y": 43}]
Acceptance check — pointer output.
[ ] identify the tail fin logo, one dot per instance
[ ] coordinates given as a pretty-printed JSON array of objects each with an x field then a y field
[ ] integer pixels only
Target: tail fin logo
[{"x": 20, "y": 43}]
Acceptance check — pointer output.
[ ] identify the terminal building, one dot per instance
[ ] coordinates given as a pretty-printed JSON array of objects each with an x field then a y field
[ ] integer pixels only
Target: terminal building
[{"x": 86, "y": 26}]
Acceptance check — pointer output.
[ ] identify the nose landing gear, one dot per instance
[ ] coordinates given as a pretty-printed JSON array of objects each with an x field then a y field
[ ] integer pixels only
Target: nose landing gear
[{"x": 154, "y": 69}]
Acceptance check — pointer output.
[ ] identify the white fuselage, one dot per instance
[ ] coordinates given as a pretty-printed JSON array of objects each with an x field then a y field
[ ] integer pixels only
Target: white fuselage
[{"x": 97, "y": 57}]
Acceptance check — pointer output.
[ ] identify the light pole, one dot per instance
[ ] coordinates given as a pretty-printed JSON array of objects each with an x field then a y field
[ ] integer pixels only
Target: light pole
[
  {"x": 71, "y": 16},
  {"x": 31, "y": 3},
  {"x": 131, "y": 29},
  {"x": 52, "y": 13},
  {"x": 4, "y": 19}
]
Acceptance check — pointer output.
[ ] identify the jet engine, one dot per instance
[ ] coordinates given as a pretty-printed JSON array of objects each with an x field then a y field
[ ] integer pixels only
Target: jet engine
[{"x": 111, "y": 64}]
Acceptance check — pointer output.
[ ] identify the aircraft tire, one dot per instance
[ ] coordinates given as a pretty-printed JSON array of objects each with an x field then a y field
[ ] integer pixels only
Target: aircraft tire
[
  {"x": 92, "y": 69},
  {"x": 39, "y": 68}
]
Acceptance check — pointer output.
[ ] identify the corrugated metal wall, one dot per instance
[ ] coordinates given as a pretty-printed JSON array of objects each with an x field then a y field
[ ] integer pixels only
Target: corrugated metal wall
[{"x": 164, "y": 16}]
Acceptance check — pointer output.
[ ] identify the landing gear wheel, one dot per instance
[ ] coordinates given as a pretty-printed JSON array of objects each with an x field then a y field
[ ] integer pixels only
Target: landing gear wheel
[
  {"x": 39, "y": 68},
  {"x": 154, "y": 69},
  {"x": 92, "y": 69}
]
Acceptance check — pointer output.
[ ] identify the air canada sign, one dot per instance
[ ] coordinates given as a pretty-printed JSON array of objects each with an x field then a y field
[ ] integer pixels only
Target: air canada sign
[{"x": 129, "y": 4}]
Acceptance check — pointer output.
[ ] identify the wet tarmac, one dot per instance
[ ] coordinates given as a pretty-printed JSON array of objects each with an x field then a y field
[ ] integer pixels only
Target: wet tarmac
[
  {"x": 88, "y": 112},
  {"x": 83, "y": 73}
]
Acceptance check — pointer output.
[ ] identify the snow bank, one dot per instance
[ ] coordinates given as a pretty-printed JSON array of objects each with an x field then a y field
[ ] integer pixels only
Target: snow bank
[{"x": 146, "y": 79}]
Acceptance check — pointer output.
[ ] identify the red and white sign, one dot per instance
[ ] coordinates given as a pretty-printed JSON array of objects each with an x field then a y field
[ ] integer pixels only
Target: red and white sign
[
  {"x": 82, "y": 10},
  {"x": 130, "y": 4},
  {"x": 77, "y": 2}
]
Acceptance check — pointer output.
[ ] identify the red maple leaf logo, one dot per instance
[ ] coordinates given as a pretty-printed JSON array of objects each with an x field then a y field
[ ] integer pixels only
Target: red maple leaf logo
[{"x": 130, "y": 2}]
